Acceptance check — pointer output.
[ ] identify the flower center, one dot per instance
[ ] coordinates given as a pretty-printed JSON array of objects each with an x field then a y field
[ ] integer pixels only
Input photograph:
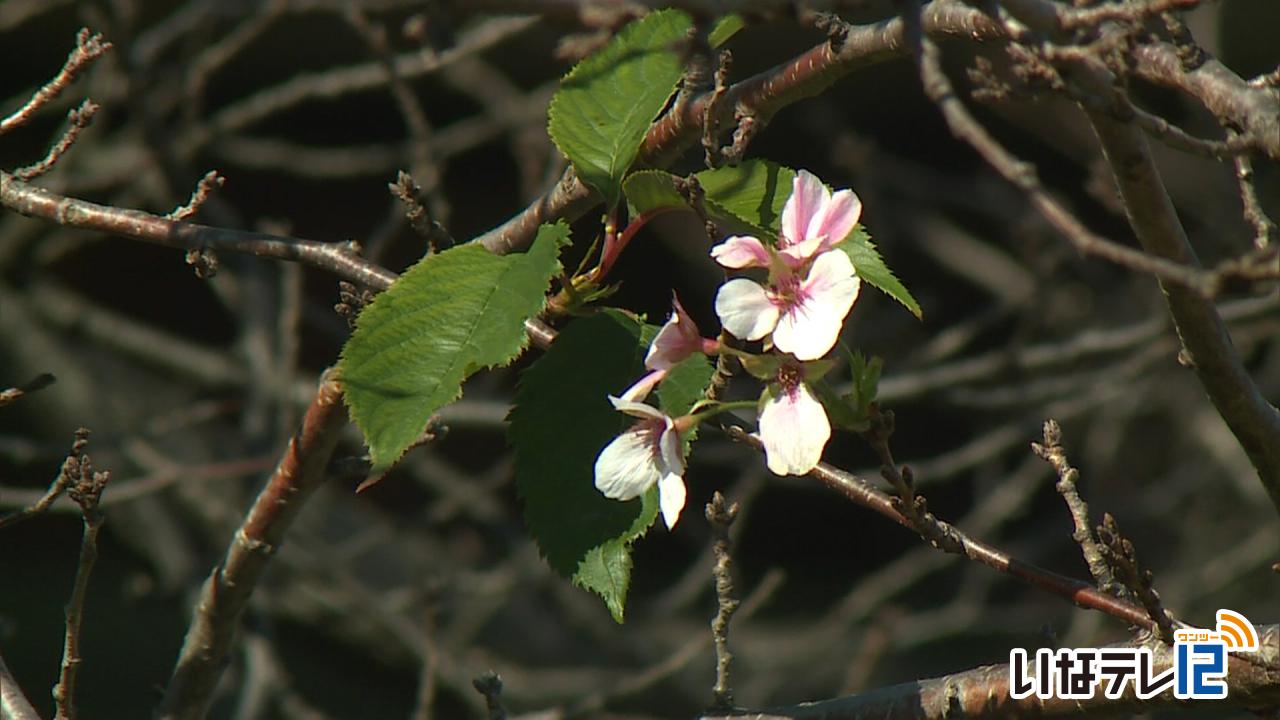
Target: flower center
[{"x": 789, "y": 377}]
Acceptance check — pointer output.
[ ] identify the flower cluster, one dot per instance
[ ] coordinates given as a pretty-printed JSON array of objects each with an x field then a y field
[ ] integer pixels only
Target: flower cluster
[{"x": 796, "y": 314}]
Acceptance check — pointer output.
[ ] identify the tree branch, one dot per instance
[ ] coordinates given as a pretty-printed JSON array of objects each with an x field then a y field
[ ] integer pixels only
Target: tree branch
[
  {"x": 1252, "y": 419},
  {"x": 226, "y": 592},
  {"x": 984, "y": 693}
]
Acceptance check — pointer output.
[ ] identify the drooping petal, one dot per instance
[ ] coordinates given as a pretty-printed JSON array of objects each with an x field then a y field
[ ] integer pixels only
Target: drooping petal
[
  {"x": 741, "y": 251},
  {"x": 629, "y": 405},
  {"x": 626, "y": 468},
  {"x": 810, "y": 326},
  {"x": 671, "y": 498},
  {"x": 678, "y": 339},
  {"x": 794, "y": 431},
  {"x": 745, "y": 309},
  {"x": 835, "y": 220},
  {"x": 808, "y": 196}
]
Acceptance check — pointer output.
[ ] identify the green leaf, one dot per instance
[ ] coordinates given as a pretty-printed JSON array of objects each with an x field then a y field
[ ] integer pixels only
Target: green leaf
[
  {"x": 726, "y": 27},
  {"x": 599, "y": 116},
  {"x": 751, "y": 193},
  {"x": 447, "y": 317},
  {"x": 685, "y": 384},
  {"x": 561, "y": 421},
  {"x": 871, "y": 268},
  {"x": 649, "y": 190}
]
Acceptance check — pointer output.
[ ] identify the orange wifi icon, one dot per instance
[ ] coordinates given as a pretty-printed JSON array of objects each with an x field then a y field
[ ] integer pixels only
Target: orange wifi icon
[{"x": 1236, "y": 631}]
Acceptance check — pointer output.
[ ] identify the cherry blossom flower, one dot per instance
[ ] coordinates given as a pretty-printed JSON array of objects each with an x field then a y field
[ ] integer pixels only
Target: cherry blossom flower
[
  {"x": 804, "y": 313},
  {"x": 813, "y": 222},
  {"x": 793, "y": 425},
  {"x": 678, "y": 339},
  {"x": 648, "y": 453},
  {"x": 812, "y": 285}
]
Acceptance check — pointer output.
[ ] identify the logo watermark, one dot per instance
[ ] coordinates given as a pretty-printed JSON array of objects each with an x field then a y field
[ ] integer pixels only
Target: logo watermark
[{"x": 1199, "y": 670}]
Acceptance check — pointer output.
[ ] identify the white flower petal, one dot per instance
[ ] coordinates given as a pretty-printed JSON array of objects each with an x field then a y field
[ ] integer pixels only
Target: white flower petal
[
  {"x": 671, "y": 449},
  {"x": 808, "y": 196},
  {"x": 636, "y": 409},
  {"x": 741, "y": 251},
  {"x": 810, "y": 327},
  {"x": 836, "y": 219},
  {"x": 745, "y": 309},
  {"x": 671, "y": 498},
  {"x": 626, "y": 468},
  {"x": 794, "y": 430}
]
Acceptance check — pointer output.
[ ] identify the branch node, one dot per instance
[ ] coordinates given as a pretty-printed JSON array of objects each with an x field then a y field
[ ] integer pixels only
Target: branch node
[{"x": 204, "y": 188}]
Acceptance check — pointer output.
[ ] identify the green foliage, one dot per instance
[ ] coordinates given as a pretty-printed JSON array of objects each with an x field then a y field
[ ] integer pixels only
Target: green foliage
[
  {"x": 684, "y": 385},
  {"x": 752, "y": 193},
  {"x": 851, "y": 411},
  {"x": 748, "y": 196},
  {"x": 726, "y": 27},
  {"x": 561, "y": 421},
  {"x": 871, "y": 268},
  {"x": 649, "y": 190},
  {"x": 599, "y": 116},
  {"x": 447, "y": 317}
]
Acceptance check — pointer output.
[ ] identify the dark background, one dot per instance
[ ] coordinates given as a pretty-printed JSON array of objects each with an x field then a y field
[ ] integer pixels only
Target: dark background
[{"x": 192, "y": 387}]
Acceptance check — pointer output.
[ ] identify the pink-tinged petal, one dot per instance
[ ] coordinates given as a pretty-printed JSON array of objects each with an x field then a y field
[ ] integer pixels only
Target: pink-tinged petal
[
  {"x": 796, "y": 255},
  {"x": 678, "y": 339},
  {"x": 794, "y": 431},
  {"x": 641, "y": 389},
  {"x": 745, "y": 309},
  {"x": 626, "y": 468},
  {"x": 808, "y": 196},
  {"x": 811, "y": 325},
  {"x": 835, "y": 220},
  {"x": 636, "y": 409},
  {"x": 671, "y": 498},
  {"x": 741, "y": 251}
]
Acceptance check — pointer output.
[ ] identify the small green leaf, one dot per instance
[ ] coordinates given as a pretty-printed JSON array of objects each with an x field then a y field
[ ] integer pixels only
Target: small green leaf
[
  {"x": 726, "y": 27},
  {"x": 871, "y": 268},
  {"x": 752, "y": 193},
  {"x": 762, "y": 367},
  {"x": 685, "y": 384},
  {"x": 839, "y": 410},
  {"x": 606, "y": 569},
  {"x": 649, "y": 190},
  {"x": 453, "y": 313},
  {"x": 561, "y": 421},
  {"x": 599, "y": 116}
]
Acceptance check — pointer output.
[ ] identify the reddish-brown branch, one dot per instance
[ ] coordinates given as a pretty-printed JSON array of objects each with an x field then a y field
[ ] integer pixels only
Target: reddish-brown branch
[
  {"x": 984, "y": 693},
  {"x": 88, "y": 48},
  {"x": 226, "y": 592}
]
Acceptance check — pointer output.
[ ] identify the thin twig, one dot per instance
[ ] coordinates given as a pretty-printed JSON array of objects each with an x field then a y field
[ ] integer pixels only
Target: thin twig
[
  {"x": 226, "y": 592},
  {"x": 1122, "y": 558},
  {"x": 89, "y": 47},
  {"x": 14, "y": 394},
  {"x": 1263, "y": 226},
  {"x": 1051, "y": 452},
  {"x": 85, "y": 489},
  {"x": 863, "y": 493},
  {"x": 77, "y": 120},
  {"x": 204, "y": 187},
  {"x": 721, "y": 516},
  {"x": 66, "y": 476}
]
